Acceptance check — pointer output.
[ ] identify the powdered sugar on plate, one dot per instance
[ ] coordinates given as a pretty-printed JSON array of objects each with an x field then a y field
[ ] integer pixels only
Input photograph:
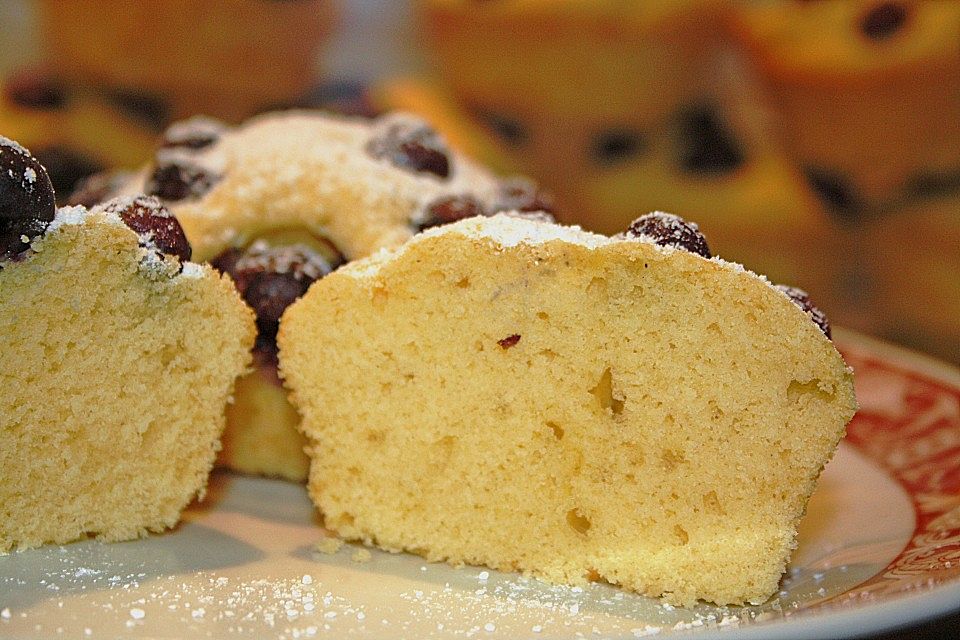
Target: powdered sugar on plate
[{"x": 247, "y": 564}]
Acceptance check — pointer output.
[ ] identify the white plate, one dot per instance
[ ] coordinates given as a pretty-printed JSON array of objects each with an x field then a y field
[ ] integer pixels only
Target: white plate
[{"x": 879, "y": 548}]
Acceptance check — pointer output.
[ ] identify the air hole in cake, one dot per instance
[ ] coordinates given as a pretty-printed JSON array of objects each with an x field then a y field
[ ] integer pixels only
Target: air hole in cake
[
  {"x": 712, "y": 504},
  {"x": 578, "y": 522},
  {"x": 716, "y": 413},
  {"x": 715, "y": 329},
  {"x": 376, "y": 437},
  {"x": 152, "y": 435},
  {"x": 597, "y": 287},
  {"x": 169, "y": 354},
  {"x": 549, "y": 354},
  {"x": 603, "y": 392},
  {"x": 798, "y": 389},
  {"x": 343, "y": 520},
  {"x": 379, "y": 297},
  {"x": 671, "y": 459},
  {"x": 556, "y": 429},
  {"x": 543, "y": 315},
  {"x": 681, "y": 534},
  {"x": 445, "y": 446},
  {"x": 463, "y": 283}
]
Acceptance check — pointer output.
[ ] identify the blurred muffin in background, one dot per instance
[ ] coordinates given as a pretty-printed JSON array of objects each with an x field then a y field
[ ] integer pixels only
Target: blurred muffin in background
[
  {"x": 620, "y": 109},
  {"x": 866, "y": 96},
  {"x": 73, "y": 132},
  {"x": 912, "y": 263},
  {"x": 228, "y": 58}
]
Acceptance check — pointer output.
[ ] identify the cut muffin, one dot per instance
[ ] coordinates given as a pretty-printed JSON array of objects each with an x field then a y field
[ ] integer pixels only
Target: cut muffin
[
  {"x": 533, "y": 397},
  {"x": 119, "y": 357},
  {"x": 284, "y": 199}
]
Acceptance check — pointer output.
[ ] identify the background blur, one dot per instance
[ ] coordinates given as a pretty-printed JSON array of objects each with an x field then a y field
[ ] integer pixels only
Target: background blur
[{"x": 817, "y": 142}]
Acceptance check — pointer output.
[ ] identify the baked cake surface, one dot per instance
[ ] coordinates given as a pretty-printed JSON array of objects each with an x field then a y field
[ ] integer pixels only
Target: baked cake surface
[
  {"x": 119, "y": 357},
  {"x": 287, "y": 197},
  {"x": 533, "y": 397}
]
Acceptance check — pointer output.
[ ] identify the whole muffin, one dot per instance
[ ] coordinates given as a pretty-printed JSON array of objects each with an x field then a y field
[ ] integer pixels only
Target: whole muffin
[
  {"x": 621, "y": 108},
  {"x": 230, "y": 58},
  {"x": 284, "y": 199},
  {"x": 866, "y": 95}
]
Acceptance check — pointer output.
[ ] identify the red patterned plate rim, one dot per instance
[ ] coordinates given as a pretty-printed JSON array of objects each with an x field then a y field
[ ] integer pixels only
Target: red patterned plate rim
[
  {"x": 900, "y": 465},
  {"x": 908, "y": 424}
]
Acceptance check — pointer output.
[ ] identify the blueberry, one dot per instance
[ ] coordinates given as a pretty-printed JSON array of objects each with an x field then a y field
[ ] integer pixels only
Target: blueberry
[
  {"x": 411, "y": 145},
  {"x": 884, "y": 20},
  {"x": 176, "y": 179},
  {"x": 153, "y": 223},
  {"x": 706, "y": 144},
  {"x": 449, "y": 209},
  {"x": 66, "y": 167},
  {"x": 668, "y": 230},
  {"x": 836, "y": 192},
  {"x": 34, "y": 89},
  {"x": 508, "y": 129},
  {"x": 800, "y": 298},
  {"x": 616, "y": 145},
  {"x": 97, "y": 188},
  {"x": 27, "y": 198},
  {"x": 150, "y": 109},
  {"x": 522, "y": 194},
  {"x": 196, "y": 133},
  {"x": 271, "y": 278}
]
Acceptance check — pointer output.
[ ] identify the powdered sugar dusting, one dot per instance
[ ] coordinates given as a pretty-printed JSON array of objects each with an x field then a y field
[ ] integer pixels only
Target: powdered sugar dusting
[
  {"x": 69, "y": 216},
  {"x": 507, "y": 231},
  {"x": 192, "y": 270}
]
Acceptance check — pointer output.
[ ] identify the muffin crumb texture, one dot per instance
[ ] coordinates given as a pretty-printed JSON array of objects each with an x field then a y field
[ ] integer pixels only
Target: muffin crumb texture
[{"x": 534, "y": 398}]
